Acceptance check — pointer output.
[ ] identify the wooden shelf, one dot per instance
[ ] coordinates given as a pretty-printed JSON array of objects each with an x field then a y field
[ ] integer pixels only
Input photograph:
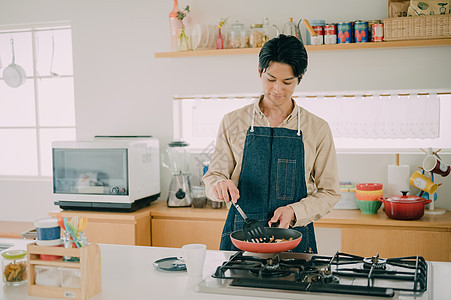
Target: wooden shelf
[
  {"x": 334, "y": 47},
  {"x": 55, "y": 263}
]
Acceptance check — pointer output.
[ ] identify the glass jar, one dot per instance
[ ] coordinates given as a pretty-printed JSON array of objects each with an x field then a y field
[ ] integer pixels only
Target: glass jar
[
  {"x": 199, "y": 198},
  {"x": 183, "y": 41},
  {"x": 71, "y": 241},
  {"x": 238, "y": 36},
  {"x": 257, "y": 36},
  {"x": 290, "y": 28},
  {"x": 216, "y": 204},
  {"x": 47, "y": 276},
  {"x": 270, "y": 30},
  {"x": 14, "y": 267}
]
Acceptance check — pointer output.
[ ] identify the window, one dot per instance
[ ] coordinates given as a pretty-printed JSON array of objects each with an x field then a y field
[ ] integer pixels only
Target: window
[
  {"x": 40, "y": 110},
  {"x": 381, "y": 121}
]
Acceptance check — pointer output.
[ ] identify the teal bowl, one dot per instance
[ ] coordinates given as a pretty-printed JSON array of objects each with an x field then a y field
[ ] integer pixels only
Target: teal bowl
[{"x": 369, "y": 207}]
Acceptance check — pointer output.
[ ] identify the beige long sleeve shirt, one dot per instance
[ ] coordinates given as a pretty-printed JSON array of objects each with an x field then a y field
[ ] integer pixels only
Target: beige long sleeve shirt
[{"x": 321, "y": 175}]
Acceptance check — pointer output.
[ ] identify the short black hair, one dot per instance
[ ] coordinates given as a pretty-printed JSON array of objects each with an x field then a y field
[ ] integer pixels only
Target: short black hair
[{"x": 284, "y": 49}]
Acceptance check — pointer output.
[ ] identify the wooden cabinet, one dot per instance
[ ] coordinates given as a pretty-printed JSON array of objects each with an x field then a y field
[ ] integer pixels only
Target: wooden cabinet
[
  {"x": 156, "y": 225},
  {"x": 175, "y": 227},
  {"x": 365, "y": 235},
  {"x": 360, "y": 234},
  {"x": 115, "y": 228},
  {"x": 395, "y": 243}
]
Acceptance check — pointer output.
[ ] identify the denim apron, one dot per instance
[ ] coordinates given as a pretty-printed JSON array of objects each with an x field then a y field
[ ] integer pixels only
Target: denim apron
[{"x": 272, "y": 175}]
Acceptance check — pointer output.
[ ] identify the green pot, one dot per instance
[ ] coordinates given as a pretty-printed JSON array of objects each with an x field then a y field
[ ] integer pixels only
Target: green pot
[{"x": 369, "y": 207}]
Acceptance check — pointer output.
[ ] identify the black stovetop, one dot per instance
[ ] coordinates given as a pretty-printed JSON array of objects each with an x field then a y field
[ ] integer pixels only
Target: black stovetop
[{"x": 341, "y": 274}]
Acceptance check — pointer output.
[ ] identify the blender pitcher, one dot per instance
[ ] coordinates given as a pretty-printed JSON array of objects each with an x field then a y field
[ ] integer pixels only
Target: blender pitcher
[{"x": 177, "y": 162}]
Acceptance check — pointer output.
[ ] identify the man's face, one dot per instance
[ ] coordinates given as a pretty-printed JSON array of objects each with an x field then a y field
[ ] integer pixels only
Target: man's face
[{"x": 278, "y": 83}]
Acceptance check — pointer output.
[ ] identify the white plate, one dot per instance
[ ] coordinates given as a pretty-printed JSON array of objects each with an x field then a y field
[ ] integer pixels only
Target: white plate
[
  {"x": 196, "y": 36},
  {"x": 210, "y": 43},
  {"x": 205, "y": 36}
]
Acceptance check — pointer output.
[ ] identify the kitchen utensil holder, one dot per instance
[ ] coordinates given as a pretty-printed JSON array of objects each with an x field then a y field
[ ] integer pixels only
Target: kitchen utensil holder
[
  {"x": 420, "y": 27},
  {"x": 89, "y": 265}
]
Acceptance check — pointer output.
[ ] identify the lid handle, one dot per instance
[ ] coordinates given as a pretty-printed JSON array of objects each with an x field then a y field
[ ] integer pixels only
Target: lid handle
[{"x": 404, "y": 193}]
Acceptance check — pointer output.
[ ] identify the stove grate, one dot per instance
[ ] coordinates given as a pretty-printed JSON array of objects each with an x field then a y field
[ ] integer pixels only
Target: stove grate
[{"x": 327, "y": 274}]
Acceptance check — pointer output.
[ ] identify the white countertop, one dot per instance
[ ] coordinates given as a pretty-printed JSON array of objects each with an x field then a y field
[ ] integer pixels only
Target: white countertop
[{"x": 128, "y": 273}]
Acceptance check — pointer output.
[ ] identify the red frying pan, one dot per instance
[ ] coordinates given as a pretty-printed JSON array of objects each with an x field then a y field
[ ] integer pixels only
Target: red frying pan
[{"x": 238, "y": 240}]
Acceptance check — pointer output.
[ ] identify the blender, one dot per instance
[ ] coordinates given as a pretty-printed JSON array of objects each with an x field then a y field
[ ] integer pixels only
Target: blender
[{"x": 177, "y": 162}]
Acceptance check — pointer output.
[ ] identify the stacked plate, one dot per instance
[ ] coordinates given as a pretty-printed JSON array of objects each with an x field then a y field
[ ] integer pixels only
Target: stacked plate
[{"x": 203, "y": 36}]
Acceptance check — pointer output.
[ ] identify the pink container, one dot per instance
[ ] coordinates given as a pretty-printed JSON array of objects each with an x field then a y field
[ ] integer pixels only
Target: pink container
[{"x": 50, "y": 243}]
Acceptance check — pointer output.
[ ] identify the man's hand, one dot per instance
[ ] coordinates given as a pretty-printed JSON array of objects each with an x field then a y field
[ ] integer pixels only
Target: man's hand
[
  {"x": 284, "y": 215},
  {"x": 225, "y": 188}
]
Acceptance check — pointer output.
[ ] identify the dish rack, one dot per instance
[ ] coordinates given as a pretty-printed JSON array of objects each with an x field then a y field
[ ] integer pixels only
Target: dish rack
[
  {"x": 420, "y": 27},
  {"x": 89, "y": 266}
]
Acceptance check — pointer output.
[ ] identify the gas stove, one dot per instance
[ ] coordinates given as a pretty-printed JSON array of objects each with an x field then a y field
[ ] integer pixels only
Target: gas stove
[{"x": 308, "y": 276}]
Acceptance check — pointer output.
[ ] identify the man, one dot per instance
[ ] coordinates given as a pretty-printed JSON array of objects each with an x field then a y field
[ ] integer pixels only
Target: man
[{"x": 277, "y": 159}]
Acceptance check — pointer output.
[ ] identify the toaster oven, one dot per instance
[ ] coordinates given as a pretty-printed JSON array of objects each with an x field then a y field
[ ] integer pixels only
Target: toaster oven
[{"x": 112, "y": 174}]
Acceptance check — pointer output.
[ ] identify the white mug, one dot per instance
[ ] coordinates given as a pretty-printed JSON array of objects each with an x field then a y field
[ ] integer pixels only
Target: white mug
[{"x": 194, "y": 257}]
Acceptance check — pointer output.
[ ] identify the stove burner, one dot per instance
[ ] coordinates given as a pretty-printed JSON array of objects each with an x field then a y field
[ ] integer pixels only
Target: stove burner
[
  {"x": 272, "y": 263},
  {"x": 374, "y": 262},
  {"x": 270, "y": 268},
  {"x": 324, "y": 276},
  {"x": 265, "y": 273}
]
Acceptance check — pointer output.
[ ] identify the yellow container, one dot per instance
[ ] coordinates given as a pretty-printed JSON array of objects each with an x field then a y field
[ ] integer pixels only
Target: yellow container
[{"x": 376, "y": 192}]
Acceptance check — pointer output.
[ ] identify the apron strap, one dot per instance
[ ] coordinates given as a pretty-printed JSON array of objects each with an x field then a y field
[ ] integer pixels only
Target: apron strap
[
  {"x": 299, "y": 121},
  {"x": 253, "y": 114}
]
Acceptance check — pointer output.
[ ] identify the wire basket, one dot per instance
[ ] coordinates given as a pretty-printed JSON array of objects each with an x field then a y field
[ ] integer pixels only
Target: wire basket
[{"x": 420, "y": 27}]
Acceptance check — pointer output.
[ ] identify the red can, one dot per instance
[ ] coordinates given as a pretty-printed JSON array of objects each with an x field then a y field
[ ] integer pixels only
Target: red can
[
  {"x": 330, "y": 34},
  {"x": 319, "y": 38},
  {"x": 377, "y": 33}
]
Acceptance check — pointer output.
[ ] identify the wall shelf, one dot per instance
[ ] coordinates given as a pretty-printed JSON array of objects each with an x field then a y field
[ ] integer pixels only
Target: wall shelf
[{"x": 352, "y": 46}]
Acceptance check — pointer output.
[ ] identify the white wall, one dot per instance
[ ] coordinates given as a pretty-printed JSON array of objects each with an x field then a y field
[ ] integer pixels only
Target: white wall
[{"x": 120, "y": 88}]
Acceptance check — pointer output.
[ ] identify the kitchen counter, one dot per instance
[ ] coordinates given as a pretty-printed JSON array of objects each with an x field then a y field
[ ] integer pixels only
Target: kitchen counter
[
  {"x": 336, "y": 218},
  {"x": 128, "y": 273},
  {"x": 114, "y": 227},
  {"x": 346, "y": 230},
  {"x": 361, "y": 234},
  {"x": 358, "y": 233},
  {"x": 353, "y": 217},
  {"x": 13, "y": 229}
]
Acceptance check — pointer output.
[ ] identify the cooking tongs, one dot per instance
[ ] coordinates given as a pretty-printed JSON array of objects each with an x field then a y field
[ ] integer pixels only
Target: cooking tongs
[{"x": 253, "y": 229}]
